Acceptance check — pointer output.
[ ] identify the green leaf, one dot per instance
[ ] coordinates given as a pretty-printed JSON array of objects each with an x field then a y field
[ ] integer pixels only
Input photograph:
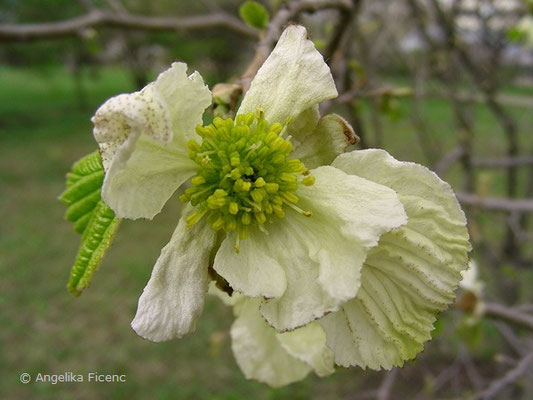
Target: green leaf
[
  {"x": 91, "y": 216},
  {"x": 254, "y": 14},
  {"x": 84, "y": 184},
  {"x": 515, "y": 34}
]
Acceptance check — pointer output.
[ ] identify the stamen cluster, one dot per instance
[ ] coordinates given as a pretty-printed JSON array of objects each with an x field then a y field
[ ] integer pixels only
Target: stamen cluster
[{"x": 245, "y": 176}]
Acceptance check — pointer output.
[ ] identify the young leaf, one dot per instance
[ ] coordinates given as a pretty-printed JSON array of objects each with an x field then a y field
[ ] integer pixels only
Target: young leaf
[
  {"x": 84, "y": 184},
  {"x": 254, "y": 14},
  {"x": 91, "y": 216}
]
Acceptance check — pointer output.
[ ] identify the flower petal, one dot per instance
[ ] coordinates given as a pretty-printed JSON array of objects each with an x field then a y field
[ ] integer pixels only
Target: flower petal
[
  {"x": 174, "y": 297},
  {"x": 258, "y": 351},
  {"x": 292, "y": 79},
  {"x": 307, "y": 267},
  {"x": 308, "y": 344},
  {"x": 410, "y": 276},
  {"x": 139, "y": 186},
  {"x": 325, "y": 253},
  {"x": 142, "y": 138},
  {"x": 186, "y": 98},
  {"x": 329, "y": 138},
  {"x": 256, "y": 270}
]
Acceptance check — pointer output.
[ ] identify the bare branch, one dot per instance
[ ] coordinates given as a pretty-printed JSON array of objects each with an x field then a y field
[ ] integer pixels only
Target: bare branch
[
  {"x": 284, "y": 15},
  {"x": 448, "y": 160},
  {"x": 504, "y": 162},
  {"x": 99, "y": 18},
  {"x": 509, "y": 315},
  {"x": 514, "y": 341},
  {"x": 510, "y": 377},
  {"x": 496, "y": 204}
]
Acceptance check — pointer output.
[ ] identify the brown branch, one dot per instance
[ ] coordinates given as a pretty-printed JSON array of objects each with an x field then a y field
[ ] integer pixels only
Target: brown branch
[
  {"x": 448, "y": 160},
  {"x": 509, "y": 315},
  {"x": 504, "y": 162},
  {"x": 99, "y": 18},
  {"x": 495, "y": 204},
  {"x": 510, "y": 377},
  {"x": 483, "y": 79},
  {"x": 508, "y": 334},
  {"x": 117, "y": 6},
  {"x": 341, "y": 33},
  {"x": 284, "y": 15}
]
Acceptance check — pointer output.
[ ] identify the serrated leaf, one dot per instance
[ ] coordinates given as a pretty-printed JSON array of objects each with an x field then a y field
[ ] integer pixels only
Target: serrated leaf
[
  {"x": 254, "y": 14},
  {"x": 95, "y": 241},
  {"x": 84, "y": 184},
  {"x": 91, "y": 216}
]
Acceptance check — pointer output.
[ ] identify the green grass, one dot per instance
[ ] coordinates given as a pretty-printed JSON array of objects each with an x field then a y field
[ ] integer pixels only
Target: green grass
[{"x": 43, "y": 129}]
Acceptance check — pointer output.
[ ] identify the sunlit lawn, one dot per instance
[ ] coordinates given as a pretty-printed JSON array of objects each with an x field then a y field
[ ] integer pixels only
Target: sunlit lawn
[{"x": 43, "y": 130}]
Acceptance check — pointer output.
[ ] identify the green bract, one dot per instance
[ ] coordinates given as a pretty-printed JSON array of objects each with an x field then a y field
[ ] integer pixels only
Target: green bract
[{"x": 345, "y": 263}]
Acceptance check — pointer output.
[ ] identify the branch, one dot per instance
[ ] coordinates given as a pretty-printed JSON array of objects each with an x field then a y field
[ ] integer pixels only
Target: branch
[
  {"x": 284, "y": 15},
  {"x": 504, "y": 162},
  {"x": 98, "y": 18},
  {"x": 509, "y": 315},
  {"x": 496, "y": 204},
  {"x": 448, "y": 160},
  {"x": 510, "y": 377}
]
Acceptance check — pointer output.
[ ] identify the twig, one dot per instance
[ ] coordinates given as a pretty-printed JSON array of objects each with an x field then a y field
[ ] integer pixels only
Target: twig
[
  {"x": 470, "y": 368},
  {"x": 444, "y": 377},
  {"x": 496, "y": 204},
  {"x": 514, "y": 341},
  {"x": 341, "y": 30},
  {"x": 285, "y": 14},
  {"x": 486, "y": 83},
  {"x": 99, "y": 18},
  {"x": 448, "y": 160},
  {"x": 509, "y": 315},
  {"x": 504, "y": 162},
  {"x": 510, "y": 377},
  {"x": 525, "y": 308}
]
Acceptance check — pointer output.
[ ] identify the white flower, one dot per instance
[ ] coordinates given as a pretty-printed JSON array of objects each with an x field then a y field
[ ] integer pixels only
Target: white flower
[
  {"x": 405, "y": 282},
  {"x": 298, "y": 237},
  {"x": 272, "y": 357}
]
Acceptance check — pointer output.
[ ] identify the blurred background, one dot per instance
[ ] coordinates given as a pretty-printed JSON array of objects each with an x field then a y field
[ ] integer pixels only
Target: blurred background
[{"x": 448, "y": 84}]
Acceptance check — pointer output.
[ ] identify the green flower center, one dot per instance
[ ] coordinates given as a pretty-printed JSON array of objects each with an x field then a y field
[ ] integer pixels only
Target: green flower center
[{"x": 246, "y": 177}]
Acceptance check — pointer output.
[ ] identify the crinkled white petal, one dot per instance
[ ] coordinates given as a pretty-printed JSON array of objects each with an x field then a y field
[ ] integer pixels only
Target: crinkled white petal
[
  {"x": 142, "y": 138},
  {"x": 324, "y": 254},
  {"x": 292, "y": 79},
  {"x": 309, "y": 266},
  {"x": 273, "y": 358},
  {"x": 319, "y": 144},
  {"x": 308, "y": 344},
  {"x": 173, "y": 299},
  {"x": 410, "y": 276}
]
